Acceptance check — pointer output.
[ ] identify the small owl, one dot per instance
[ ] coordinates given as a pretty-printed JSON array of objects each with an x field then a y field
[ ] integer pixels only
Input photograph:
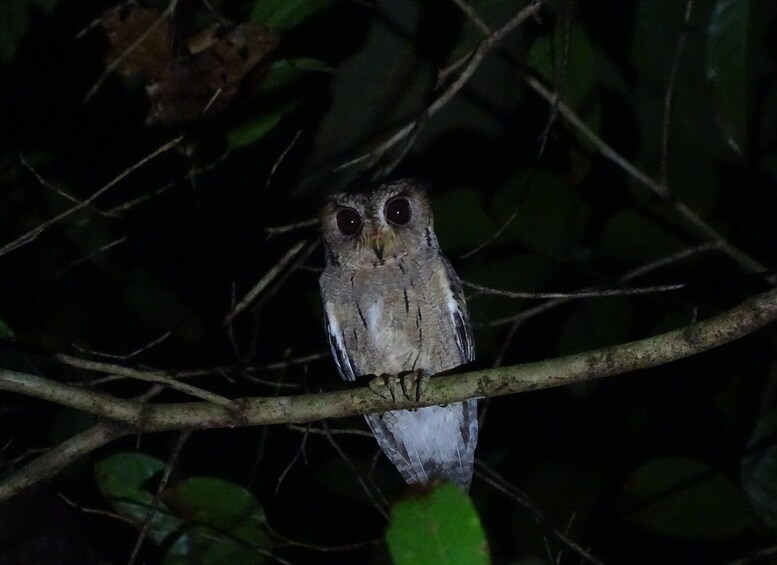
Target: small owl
[{"x": 393, "y": 305}]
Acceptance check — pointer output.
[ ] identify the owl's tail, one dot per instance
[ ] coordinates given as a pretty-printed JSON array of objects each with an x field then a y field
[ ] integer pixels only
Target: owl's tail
[{"x": 437, "y": 442}]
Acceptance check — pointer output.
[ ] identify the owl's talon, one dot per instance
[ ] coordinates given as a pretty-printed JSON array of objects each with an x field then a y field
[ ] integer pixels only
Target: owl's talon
[
  {"x": 422, "y": 384},
  {"x": 414, "y": 384},
  {"x": 385, "y": 386}
]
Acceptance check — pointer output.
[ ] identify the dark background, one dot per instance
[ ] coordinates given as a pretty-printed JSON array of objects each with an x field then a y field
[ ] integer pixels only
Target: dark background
[{"x": 676, "y": 464}]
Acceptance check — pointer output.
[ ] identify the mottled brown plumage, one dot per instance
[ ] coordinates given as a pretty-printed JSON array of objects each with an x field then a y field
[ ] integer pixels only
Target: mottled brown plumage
[{"x": 394, "y": 304}]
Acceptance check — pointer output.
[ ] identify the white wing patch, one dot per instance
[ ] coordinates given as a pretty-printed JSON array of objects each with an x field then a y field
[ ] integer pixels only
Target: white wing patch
[
  {"x": 375, "y": 318},
  {"x": 461, "y": 328},
  {"x": 337, "y": 344}
]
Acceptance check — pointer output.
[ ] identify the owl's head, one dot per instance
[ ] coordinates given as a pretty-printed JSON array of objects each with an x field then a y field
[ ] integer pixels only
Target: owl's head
[{"x": 377, "y": 225}]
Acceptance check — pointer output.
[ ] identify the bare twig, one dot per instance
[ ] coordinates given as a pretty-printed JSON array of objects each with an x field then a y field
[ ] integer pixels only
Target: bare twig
[
  {"x": 668, "y": 97},
  {"x": 277, "y": 230},
  {"x": 130, "y": 355},
  {"x": 643, "y": 269},
  {"x": 182, "y": 438},
  {"x": 95, "y": 253},
  {"x": 53, "y": 187},
  {"x": 33, "y": 234},
  {"x": 601, "y": 293},
  {"x": 380, "y": 505},
  {"x": 334, "y": 432},
  {"x": 147, "y": 376},
  {"x": 96, "y": 511},
  {"x": 300, "y": 453},
  {"x": 280, "y": 159},
  {"x": 759, "y": 556},
  {"x": 191, "y": 175},
  {"x": 58, "y": 457},
  {"x": 491, "y": 478},
  {"x": 266, "y": 280},
  {"x": 750, "y": 265},
  {"x": 473, "y": 61}
]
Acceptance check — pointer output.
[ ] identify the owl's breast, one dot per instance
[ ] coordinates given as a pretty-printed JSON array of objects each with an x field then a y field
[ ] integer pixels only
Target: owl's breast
[{"x": 393, "y": 318}]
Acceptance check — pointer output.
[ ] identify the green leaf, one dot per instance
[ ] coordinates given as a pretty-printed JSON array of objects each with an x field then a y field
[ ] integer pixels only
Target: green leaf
[
  {"x": 253, "y": 130},
  {"x": 684, "y": 498},
  {"x": 280, "y": 75},
  {"x": 14, "y": 17},
  {"x": 284, "y": 72},
  {"x": 595, "y": 323},
  {"x": 220, "y": 504},
  {"x": 283, "y": 14},
  {"x": 204, "y": 546},
  {"x": 759, "y": 470},
  {"x": 123, "y": 476},
  {"x": 553, "y": 233},
  {"x": 123, "y": 479},
  {"x": 5, "y": 331},
  {"x": 440, "y": 526},
  {"x": 229, "y": 522},
  {"x": 567, "y": 59},
  {"x": 458, "y": 208},
  {"x": 631, "y": 236},
  {"x": 727, "y": 35}
]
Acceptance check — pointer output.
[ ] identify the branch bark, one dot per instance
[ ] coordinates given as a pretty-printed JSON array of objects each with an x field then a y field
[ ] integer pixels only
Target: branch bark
[{"x": 127, "y": 416}]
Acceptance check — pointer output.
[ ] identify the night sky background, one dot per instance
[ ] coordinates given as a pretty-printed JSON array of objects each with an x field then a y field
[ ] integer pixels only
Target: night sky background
[{"x": 676, "y": 464}]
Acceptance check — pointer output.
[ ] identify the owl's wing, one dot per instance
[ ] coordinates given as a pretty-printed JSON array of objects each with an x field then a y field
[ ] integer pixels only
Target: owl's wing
[
  {"x": 457, "y": 308},
  {"x": 337, "y": 343}
]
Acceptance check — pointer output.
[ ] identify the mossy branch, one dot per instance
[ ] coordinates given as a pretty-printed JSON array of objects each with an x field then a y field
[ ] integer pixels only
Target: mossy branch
[{"x": 124, "y": 417}]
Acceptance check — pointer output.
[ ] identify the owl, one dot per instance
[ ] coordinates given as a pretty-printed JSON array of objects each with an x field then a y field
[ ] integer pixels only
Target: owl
[{"x": 393, "y": 305}]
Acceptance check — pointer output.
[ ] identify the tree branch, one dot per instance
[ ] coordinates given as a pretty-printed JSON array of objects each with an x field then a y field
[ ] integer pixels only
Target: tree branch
[{"x": 130, "y": 416}]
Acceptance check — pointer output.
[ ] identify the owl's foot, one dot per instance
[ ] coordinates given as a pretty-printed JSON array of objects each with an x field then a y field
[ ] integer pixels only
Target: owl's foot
[
  {"x": 414, "y": 384},
  {"x": 386, "y": 386},
  {"x": 411, "y": 385}
]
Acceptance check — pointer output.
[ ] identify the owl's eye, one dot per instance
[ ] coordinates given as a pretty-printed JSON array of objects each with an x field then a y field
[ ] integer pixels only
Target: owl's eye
[
  {"x": 348, "y": 221},
  {"x": 398, "y": 211}
]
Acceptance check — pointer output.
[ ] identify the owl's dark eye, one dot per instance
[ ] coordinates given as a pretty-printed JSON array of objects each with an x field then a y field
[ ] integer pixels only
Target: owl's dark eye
[
  {"x": 398, "y": 211},
  {"x": 348, "y": 221}
]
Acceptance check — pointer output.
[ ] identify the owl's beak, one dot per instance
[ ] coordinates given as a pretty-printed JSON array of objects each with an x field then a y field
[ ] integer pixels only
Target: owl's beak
[
  {"x": 378, "y": 245},
  {"x": 379, "y": 241}
]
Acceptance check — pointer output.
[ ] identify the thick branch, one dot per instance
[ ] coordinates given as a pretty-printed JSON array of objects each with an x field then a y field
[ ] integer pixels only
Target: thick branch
[
  {"x": 728, "y": 326},
  {"x": 129, "y": 416}
]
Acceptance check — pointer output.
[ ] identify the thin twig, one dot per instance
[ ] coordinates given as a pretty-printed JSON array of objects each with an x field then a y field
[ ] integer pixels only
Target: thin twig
[
  {"x": 474, "y": 59},
  {"x": 663, "y": 180},
  {"x": 757, "y": 557},
  {"x": 191, "y": 175},
  {"x": 300, "y": 453},
  {"x": 639, "y": 271},
  {"x": 334, "y": 432},
  {"x": 130, "y": 355},
  {"x": 750, "y": 265},
  {"x": 182, "y": 438},
  {"x": 280, "y": 159},
  {"x": 33, "y": 234},
  {"x": 147, "y": 376},
  {"x": 601, "y": 293},
  {"x": 96, "y": 511},
  {"x": 94, "y": 253},
  {"x": 266, "y": 280},
  {"x": 278, "y": 230},
  {"x": 491, "y": 478},
  {"x": 379, "y": 505},
  {"x": 53, "y": 187}
]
